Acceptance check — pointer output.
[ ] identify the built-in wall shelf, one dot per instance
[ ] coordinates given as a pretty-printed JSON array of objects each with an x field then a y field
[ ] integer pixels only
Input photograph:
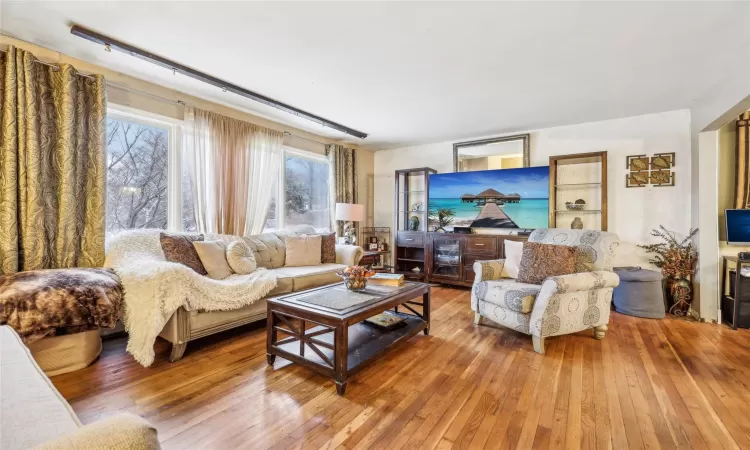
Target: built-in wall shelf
[{"x": 578, "y": 178}]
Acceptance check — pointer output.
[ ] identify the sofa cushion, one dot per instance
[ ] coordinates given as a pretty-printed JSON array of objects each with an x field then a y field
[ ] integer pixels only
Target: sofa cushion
[
  {"x": 302, "y": 250},
  {"x": 179, "y": 248},
  {"x": 32, "y": 410},
  {"x": 508, "y": 293},
  {"x": 307, "y": 277},
  {"x": 240, "y": 258},
  {"x": 328, "y": 248},
  {"x": 213, "y": 255}
]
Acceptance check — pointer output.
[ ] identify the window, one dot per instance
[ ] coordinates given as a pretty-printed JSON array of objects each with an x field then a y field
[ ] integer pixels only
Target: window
[
  {"x": 140, "y": 151},
  {"x": 305, "y": 191}
]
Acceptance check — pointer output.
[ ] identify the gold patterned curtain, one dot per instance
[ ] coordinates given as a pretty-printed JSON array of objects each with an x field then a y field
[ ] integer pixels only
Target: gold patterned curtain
[
  {"x": 343, "y": 165},
  {"x": 52, "y": 167},
  {"x": 742, "y": 189}
]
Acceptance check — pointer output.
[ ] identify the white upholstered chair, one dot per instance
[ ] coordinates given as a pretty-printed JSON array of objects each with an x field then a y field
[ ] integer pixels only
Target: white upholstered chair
[{"x": 560, "y": 305}]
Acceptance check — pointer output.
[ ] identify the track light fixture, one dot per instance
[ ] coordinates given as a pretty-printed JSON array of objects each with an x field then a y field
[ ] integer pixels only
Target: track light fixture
[{"x": 110, "y": 43}]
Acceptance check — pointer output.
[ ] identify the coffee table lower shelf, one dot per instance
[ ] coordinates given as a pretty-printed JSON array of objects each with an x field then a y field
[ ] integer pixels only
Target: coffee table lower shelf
[{"x": 365, "y": 344}]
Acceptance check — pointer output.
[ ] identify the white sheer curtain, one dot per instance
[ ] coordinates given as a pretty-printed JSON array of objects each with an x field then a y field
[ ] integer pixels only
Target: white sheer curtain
[{"x": 231, "y": 165}]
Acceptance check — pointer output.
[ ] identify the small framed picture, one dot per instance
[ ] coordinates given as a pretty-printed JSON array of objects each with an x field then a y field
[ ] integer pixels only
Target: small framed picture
[
  {"x": 378, "y": 264},
  {"x": 374, "y": 246},
  {"x": 373, "y": 239},
  {"x": 383, "y": 247}
]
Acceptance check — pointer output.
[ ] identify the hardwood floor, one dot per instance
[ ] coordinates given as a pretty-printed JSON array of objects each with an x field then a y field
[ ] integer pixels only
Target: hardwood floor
[{"x": 648, "y": 384}]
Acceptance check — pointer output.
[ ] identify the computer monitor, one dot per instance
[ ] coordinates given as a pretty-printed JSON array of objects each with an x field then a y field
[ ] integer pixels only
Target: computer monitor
[{"x": 738, "y": 226}]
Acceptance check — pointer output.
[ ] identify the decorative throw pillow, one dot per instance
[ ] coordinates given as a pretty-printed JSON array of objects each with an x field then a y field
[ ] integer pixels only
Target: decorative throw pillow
[
  {"x": 241, "y": 258},
  {"x": 303, "y": 250},
  {"x": 513, "y": 251},
  {"x": 214, "y": 259},
  {"x": 328, "y": 248},
  {"x": 179, "y": 248},
  {"x": 540, "y": 261}
]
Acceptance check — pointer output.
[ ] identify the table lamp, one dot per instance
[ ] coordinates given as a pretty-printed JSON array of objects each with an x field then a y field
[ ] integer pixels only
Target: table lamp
[{"x": 350, "y": 212}]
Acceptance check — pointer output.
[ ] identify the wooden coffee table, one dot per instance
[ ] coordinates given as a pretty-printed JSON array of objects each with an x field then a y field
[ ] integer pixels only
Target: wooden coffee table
[{"x": 322, "y": 328}]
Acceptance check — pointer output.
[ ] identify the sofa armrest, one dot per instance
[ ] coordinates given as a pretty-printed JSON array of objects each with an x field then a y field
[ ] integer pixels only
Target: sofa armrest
[
  {"x": 570, "y": 303},
  {"x": 126, "y": 431},
  {"x": 488, "y": 270},
  {"x": 349, "y": 255}
]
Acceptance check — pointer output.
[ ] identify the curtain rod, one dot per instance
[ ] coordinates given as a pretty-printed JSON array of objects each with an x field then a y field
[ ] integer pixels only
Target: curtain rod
[{"x": 111, "y": 43}]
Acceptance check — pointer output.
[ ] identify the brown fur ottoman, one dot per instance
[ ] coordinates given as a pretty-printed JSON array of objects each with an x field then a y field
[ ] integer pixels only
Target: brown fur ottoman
[{"x": 58, "y": 313}]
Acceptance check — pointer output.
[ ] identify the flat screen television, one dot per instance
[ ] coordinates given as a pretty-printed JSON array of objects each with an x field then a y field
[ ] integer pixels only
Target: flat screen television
[
  {"x": 504, "y": 198},
  {"x": 738, "y": 226}
]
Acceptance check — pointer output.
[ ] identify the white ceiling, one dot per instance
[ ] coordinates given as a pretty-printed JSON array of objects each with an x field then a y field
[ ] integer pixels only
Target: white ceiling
[{"x": 417, "y": 72}]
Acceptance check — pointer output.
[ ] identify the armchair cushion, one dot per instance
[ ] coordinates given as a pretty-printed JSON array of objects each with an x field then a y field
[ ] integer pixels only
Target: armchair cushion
[
  {"x": 508, "y": 293},
  {"x": 540, "y": 261}
]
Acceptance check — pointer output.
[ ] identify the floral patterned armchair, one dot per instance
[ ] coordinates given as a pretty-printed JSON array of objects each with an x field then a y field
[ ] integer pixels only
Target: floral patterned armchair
[{"x": 560, "y": 305}]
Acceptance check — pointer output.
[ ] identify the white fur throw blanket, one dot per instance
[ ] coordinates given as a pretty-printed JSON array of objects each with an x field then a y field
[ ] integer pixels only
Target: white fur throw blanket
[{"x": 155, "y": 288}]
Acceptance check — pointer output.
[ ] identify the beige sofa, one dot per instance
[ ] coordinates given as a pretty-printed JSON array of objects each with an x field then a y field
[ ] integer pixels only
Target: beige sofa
[
  {"x": 185, "y": 325},
  {"x": 34, "y": 415}
]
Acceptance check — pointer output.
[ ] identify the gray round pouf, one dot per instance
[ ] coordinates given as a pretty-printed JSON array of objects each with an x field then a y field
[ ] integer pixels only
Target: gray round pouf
[{"x": 640, "y": 293}]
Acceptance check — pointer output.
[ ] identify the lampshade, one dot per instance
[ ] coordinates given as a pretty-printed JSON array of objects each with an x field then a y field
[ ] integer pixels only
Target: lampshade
[{"x": 350, "y": 212}]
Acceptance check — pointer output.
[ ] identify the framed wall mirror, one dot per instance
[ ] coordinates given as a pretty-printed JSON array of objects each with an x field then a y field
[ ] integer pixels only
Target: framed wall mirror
[{"x": 505, "y": 152}]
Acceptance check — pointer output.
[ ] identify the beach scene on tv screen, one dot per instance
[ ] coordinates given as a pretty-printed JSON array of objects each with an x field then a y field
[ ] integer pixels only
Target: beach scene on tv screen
[{"x": 505, "y": 198}]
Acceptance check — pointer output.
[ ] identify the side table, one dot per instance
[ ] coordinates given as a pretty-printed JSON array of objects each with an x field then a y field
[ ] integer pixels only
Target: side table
[{"x": 735, "y": 303}]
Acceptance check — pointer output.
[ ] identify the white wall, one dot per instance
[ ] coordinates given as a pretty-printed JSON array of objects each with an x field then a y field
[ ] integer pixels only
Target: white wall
[{"x": 633, "y": 212}]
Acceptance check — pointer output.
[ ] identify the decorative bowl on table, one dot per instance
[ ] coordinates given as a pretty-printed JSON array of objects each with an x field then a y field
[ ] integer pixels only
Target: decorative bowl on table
[{"x": 355, "y": 277}]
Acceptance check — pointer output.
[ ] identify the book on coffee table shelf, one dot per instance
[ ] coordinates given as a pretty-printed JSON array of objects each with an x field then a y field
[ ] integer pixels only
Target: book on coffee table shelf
[
  {"x": 387, "y": 279},
  {"x": 387, "y": 320}
]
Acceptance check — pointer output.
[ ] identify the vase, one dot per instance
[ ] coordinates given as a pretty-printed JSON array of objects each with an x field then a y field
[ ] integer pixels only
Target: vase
[
  {"x": 577, "y": 224},
  {"x": 414, "y": 223},
  {"x": 681, "y": 291}
]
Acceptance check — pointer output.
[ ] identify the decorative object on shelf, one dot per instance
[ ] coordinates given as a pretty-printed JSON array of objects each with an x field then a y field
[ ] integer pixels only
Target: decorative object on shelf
[
  {"x": 661, "y": 161},
  {"x": 578, "y": 205},
  {"x": 414, "y": 223},
  {"x": 441, "y": 218},
  {"x": 383, "y": 246},
  {"x": 378, "y": 264},
  {"x": 417, "y": 207},
  {"x": 576, "y": 224},
  {"x": 374, "y": 247},
  {"x": 373, "y": 239},
  {"x": 485, "y": 154},
  {"x": 350, "y": 212},
  {"x": 636, "y": 179},
  {"x": 637, "y": 163},
  {"x": 355, "y": 277},
  {"x": 676, "y": 258},
  {"x": 660, "y": 178},
  {"x": 416, "y": 270}
]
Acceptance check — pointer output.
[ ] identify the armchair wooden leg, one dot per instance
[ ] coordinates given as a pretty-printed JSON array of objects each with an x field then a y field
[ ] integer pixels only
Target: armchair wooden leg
[
  {"x": 177, "y": 351},
  {"x": 600, "y": 331},
  {"x": 538, "y": 344},
  {"x": 477, "y": 319}
]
